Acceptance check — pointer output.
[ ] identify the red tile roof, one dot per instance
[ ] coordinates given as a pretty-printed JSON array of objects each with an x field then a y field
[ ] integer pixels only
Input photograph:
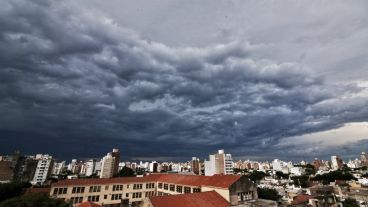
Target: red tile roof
[
  {"x": 302, "y": 198},
  {"x": 33, "y": 190},
  {"x": 88, "y": 204},
  {"x": 204, "y": 199},
  {"x": 104, "y": 181},
  {"x": 220, "y": 181}
]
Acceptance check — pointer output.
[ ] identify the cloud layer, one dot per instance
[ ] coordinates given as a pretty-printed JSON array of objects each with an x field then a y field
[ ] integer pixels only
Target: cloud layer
[{"x": 75, "y": 82}]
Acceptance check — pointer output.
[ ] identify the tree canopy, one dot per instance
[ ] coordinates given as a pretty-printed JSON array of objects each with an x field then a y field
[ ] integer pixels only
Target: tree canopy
[
  {"x": 257, "y": 175},
  {"x": 13, "y": 189},
  {"x": 268, "y": 193},
  {"x": 350, "y": 202},
  {"x": 333, "y": 176},
  {"x": 126, "y": 172},
  {"x": 38, "y": 200}
]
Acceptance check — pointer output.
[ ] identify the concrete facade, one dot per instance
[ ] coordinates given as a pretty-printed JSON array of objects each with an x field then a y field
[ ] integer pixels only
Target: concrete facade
[{"x": 124, "y": 191}]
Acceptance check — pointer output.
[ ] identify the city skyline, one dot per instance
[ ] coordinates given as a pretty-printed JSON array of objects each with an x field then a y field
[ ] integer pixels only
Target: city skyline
[{"x": 170, "y": 79}]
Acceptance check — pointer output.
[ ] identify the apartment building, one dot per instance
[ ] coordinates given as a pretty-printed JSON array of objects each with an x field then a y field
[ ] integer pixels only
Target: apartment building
[
  {"x": 43, "y": 169},
  {"x": 133, "y": 190},
  {"x": 107, "y": 166},
  {"x": 219, "y": 163}
]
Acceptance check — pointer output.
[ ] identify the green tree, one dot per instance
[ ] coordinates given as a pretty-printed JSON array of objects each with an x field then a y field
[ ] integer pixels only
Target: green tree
[
  {"x": 257, "y": 175},
  {"x": 38, "y": 200},
  {"x": 301, "y": 181},
  {"x": 13, "y": 189},
  {"x": 350, "y": 202},
  {"x": 126, "y": 172},
  {"x": 281, "y": 175},
  {"x": 334, "y": 175},
  {"x": 268, "y": 193},
  {"x": 309, "y": 169}
]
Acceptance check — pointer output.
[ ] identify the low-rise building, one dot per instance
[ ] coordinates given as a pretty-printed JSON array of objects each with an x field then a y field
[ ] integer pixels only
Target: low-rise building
[
  {"x": 6, "y": 172},
  {"x": 234, "y": 189}
]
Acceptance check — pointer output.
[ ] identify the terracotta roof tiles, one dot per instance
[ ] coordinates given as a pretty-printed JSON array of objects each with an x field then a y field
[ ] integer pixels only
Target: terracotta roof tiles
[
  {"x": 220, "y": 181},
  {"x": 88, "y": 204},
  {"x": 204, "y": 199}
]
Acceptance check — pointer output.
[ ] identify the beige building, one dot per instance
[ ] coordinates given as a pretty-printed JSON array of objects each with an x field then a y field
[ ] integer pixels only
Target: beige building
[
  {"x": 133, "y": 190},
  {"x": 219, "y": 163},
  {"x": 107, "y": 166}
]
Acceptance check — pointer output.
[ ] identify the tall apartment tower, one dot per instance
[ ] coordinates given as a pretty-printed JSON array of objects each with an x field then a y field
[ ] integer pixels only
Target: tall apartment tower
[
  {"x": 195, "y": 165},
  {"x": 336, "y": 162},
  {"x": 364, "y": 159},
  {"x": 107, "y": 166},
  {"x": 90, "y": 167},
  {"x": 219, "y": 163},
  {"x": 43, "y": 169},
  {"x": 116, "y": 154}
]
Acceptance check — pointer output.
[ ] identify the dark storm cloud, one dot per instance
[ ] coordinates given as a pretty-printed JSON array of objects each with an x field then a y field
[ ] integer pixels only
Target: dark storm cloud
[{"x": 77, "y": 82}]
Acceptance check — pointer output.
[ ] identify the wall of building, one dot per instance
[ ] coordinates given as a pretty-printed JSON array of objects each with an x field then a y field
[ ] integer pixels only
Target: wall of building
[
  {"x": 106, "y": 194},
  {"x": 246, "y": 188},
  {"x": 223, "y": 192}
]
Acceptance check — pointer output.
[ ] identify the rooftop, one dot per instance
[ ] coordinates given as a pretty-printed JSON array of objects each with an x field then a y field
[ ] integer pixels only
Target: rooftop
[
  {"x": 204, "y": 199},
  {"x": 88, "y": 204},
  {"x": 220, "y": 181}
]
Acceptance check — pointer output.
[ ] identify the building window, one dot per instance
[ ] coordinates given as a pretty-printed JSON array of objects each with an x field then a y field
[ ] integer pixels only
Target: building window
[
  {"x": 137, "y": 186},
  {"x": 137, "y": 195},
  {"x": 179, "y": 189},
  {"x": 160, "y": 185},
  {"x": 106, "y": 187},
  {"x": 78, "y": 190},
  {"x": 166, "y": 186},
  {"x": 105, "y": 196},
  {"x": 127, "y": 195},
  {"x": 196, "y": 190},
  {"x": 116, "y": 196},
  {"x": 172, "y": 187},
  {"x": 148, "y": 194},
  {"x": 150, "y": 185},
  {"x": 93, "y": 189},
  {"x": 75, "y": 200},
  {"x": 117, "y": 187},
  {"x": 186, "y": 189},
  {"x": 245, "y": 196},
  {"x": 58, "y": 191},
  {"x": 94, "y": 198}
]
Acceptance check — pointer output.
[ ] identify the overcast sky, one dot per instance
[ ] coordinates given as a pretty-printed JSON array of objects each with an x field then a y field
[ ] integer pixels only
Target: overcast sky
[{"x": 169, "y": 79}]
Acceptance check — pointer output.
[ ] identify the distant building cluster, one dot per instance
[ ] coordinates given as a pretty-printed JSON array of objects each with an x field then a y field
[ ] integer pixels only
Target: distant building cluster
[{"x": 219, "y": 179}]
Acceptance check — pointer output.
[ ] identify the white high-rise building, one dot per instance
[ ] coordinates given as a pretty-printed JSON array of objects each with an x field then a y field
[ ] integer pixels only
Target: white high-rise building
[
  {"x": 90, "y": 167},
  {"x": 229, "y": 164},
  {"x": 97, "y": 169},
  {"x": 58, "y": 168},
  {"x": 219, "y": 163},
  {"x": 72, "y": 165},
  {"x": 107, "y": 166},
  {"x": 210, "y": 166},
  {"x": 43, "y": 169},
  {"x": 336, "y": 162}
]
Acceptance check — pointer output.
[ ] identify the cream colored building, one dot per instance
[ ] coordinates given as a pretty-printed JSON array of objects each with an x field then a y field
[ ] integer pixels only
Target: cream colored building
[
  {"x": 133, "y": 190},
  {"x": 107, "y": 166}
]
